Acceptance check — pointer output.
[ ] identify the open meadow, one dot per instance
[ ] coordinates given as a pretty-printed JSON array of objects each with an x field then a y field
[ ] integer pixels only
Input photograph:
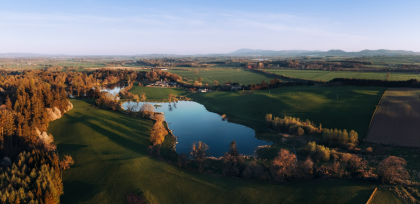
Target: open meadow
[
  {"x": 242, "y": 76},
  {"x": 111, "y": 161},
  {"x": 397, "y": 119},
  {"x": 352, "y": 110},
  {"x": 329, "y": 75}
]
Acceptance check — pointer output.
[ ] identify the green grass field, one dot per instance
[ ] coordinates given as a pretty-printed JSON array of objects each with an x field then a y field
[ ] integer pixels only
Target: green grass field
[
  {"x": 242, "y": 76},
  {"x": 352, "y": 110},
  {"x": 327, "y": 75},
  {"x": 109, "y": 150},
  {"x": 412, "y": 59},
  {"x": 155, "y": 93},
  {"x": 385, "y": 196}
]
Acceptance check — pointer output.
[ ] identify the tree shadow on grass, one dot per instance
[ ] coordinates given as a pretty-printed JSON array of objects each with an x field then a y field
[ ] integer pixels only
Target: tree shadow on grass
[
  {"x": 68, "y": 148},
  {"x": 77, "y": 191},
  {"x": 130, "y": 144},
  {"x": 362, "y": 196}
]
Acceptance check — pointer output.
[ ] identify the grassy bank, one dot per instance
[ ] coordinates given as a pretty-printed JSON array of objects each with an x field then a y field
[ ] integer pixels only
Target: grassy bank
[
  {"x": 109, "y": 150},
  {"x": 352, "y": 110}
]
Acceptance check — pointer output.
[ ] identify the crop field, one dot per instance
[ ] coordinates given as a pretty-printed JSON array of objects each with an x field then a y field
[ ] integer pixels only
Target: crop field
[
  {"x": 111, "y": 161},
  {"x": 156, "y": 93},
  {"x": 352, "y": 110},
  {"x": 329, "y": 75},
  {"x": 242, "y": 76},
  {"x": 397, "y": 119}
]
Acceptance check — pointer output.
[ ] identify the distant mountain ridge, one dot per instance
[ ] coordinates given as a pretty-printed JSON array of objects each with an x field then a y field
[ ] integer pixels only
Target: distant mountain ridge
[{"x": 252, "y": 52}]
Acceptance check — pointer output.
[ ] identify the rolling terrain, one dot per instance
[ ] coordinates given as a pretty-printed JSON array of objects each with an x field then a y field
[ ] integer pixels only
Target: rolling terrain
[
  {"x": 109, "y": 150},
  {"x": 352, "y": 110}
]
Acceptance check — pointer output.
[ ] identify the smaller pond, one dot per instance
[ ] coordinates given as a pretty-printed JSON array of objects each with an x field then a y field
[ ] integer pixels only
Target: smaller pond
[
  {"x": 190, "y": 122},
  {"x": 113, "y": 89}
]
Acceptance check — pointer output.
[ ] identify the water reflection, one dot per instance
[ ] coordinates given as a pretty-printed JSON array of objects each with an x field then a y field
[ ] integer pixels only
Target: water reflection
[{"x": 113, "y": 88}]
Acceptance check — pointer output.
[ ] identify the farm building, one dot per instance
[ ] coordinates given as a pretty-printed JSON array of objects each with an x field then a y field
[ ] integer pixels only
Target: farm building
[{"x": 163, "y": 84}]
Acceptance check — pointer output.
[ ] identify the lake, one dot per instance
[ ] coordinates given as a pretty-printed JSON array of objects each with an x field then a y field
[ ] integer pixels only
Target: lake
[{"x": 190, "y": 121}]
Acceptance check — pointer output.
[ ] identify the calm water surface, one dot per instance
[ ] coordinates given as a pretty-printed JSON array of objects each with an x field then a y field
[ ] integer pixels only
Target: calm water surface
[
  {"x": 113, "y": 89},
  {"x": 190, "y": 122}
]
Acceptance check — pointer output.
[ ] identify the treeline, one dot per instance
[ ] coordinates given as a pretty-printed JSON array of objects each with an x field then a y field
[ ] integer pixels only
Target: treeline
[
  {"x": 292, "y": 125},
  {"x": 340, "y": 137},
  {"x": 25, "y": 108},
  {"x": 373, "y": 82},
  {"x": 126, "y": 94},
  {"x": 311, "y": 65},
  {"x": 29, "y": 101},
  {"x": 295, "y": 126},
  {"x": 286, "y": 166},
  {"x": 157, "y": 75}
]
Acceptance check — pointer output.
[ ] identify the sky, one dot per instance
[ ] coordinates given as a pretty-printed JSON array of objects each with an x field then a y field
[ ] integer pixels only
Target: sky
[{"x": 129, "y": 27}]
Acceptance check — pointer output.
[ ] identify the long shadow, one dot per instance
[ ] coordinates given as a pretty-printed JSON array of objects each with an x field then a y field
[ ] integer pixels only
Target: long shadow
[
  {"x": 129, "y": 144},
  {"x": 67, "y": 148},
  {"x": 78, "y": 191},
  {"x": 103, "y": 119}
]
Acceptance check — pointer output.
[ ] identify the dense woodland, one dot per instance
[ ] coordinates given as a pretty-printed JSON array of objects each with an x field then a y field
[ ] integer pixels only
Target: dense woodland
[{"x": 30, "y": 168}]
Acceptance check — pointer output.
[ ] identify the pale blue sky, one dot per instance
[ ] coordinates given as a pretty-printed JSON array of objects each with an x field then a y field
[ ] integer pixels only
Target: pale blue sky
[{"x": 195, "y": 27}]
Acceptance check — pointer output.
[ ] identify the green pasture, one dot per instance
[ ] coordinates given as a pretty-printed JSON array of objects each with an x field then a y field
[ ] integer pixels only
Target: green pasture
[
  {"x": 156, "y": 93},
  {"x": 405, "y": 59},
  {"x": 329, "y": 75},
  {"x": 352, "y": 110},
  {"x": 109, "y": 150},
  {"x": 385, "y": 196},
  {"x": 242, "y": 76}
]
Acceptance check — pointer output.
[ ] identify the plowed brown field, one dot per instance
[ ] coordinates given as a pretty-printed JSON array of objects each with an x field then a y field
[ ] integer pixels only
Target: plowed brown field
[{"x": 397, "y": 119}]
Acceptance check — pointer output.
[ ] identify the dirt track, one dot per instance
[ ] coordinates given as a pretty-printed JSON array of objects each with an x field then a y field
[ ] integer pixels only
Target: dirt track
[{"x": 397, "y": 119}]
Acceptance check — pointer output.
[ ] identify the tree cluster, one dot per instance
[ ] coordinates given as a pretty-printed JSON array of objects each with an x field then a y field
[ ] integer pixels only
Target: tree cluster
[
  {"x": 292, "y": 125},
  {"x": 340, "y": 137}
]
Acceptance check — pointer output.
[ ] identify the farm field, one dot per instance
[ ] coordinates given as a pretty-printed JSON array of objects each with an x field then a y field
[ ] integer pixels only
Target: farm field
[
  {"x": 155, "y": 93},
  {"x": 242, "y": 76},
  {"x": 397, "y": 119},
  {"x": 413, "y": 59},
  {"x": 352, "y": 110},
  {"x": 109, "y": 150},
  {"x": 328, "y": 75}
]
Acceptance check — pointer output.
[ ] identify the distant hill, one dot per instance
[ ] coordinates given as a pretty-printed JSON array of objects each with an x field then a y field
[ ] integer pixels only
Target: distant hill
[{"x": 251, "y": 52}]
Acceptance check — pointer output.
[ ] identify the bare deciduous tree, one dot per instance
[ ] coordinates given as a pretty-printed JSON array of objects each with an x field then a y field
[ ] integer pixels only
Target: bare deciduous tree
[
  {"x": 199, "y": 151},
  {"x": 66, "y": 162},
  {"x": 147, "y": 110},
  {"x": 392, "y": 169},
  {"x": 283, "y": 165}
]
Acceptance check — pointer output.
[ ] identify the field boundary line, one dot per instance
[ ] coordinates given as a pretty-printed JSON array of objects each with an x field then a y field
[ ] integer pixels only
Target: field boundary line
[
  {"x": 374, "y": 112},
  {"x": 372, "y": 196}
]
